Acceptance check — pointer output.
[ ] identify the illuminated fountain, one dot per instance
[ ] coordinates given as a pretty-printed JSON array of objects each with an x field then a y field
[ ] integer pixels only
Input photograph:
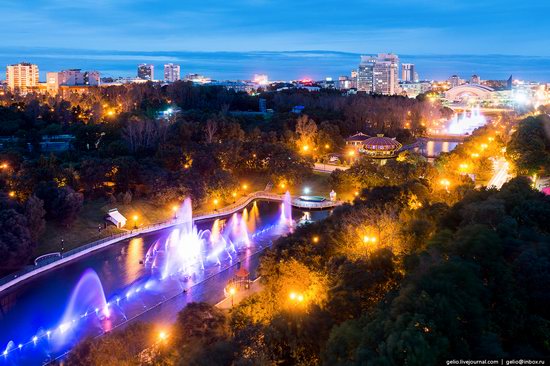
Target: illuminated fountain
[
  {"x": 466, "y": 123},
  {"x": 184, "y": 252},
  {"x": 87, "y": 298},
  {"x": 286, "y": 209},
  {"x": 187, "y": 250}
]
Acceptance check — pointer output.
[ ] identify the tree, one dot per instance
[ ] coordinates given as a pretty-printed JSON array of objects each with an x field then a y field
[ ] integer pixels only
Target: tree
[
  {"x": 61, "y": 203},
  {"x": 35, "y": 213},
  {"x": 529, "y": 147},
  {"x": 16, "y": 244},
  {"x": 114, "y": 349},
  {"x": 306, "y": 131},
  {"x": 199, "y": 325}
]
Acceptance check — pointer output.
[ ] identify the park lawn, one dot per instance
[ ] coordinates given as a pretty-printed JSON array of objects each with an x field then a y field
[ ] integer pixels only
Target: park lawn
[{"x": 85, "y": 227}]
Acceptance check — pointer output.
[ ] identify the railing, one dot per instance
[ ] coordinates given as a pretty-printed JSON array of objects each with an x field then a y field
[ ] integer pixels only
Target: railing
[
  {"x": 47, "y": 258},
  {"x": 72, "y": 254}
]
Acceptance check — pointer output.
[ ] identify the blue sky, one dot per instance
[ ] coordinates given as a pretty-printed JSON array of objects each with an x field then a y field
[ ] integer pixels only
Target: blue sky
[
  {"x": 219, "y": 37},
  {"x": 401, "y": 26}
]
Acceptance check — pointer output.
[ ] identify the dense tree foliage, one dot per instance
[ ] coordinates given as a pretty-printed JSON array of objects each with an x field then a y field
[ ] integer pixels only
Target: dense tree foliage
[{"x": 529, "y": 148}]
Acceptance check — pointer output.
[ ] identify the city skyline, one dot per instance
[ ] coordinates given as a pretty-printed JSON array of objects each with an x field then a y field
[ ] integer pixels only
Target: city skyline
[{"x": 278, "y": 65}]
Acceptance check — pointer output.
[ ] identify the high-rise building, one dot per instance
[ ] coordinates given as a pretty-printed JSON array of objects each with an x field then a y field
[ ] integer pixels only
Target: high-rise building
[
  {"x": 171, "y": 73},
  {"x": 22, "y": 76},
  {"x": 386, "y": 79},
  {"x": 72, "y": 77},
  {"x": 146, "y": 72},
  {"x": 408, "y": 72},
  {"x": 454, "y": 81},
  {"x": 365, "y": 74},
  {"x": 475, "y": 79},
  {"x": 378, "y": 74},
  {"x": 353, "y": 76}
]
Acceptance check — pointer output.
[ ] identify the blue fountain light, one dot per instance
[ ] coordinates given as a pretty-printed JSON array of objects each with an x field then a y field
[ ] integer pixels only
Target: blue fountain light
[{"x": 185, "y": 250}]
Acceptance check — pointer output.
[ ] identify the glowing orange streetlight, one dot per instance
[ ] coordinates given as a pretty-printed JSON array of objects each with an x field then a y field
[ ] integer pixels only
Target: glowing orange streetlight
[
  {"x": 175, "y": 210},
  {"x": 4, "y": 166},
  {"x": 216, "y": 201},
  {"x": 232, "y": 291},
  {"x": 234, "y": 195},
  {"x": 369, "y": 239},
  {"x": 163, "y": 336},
  {"x": 315, "y": 239},
  {"x": 135, "y": 221},
  {"x": 296, "y": 297},
  {"x": 305, "y": 148},
  {"x": 12, "y": 194},
  {"x": 445, "y": 183},
  {"x": 327, "y": 146}
]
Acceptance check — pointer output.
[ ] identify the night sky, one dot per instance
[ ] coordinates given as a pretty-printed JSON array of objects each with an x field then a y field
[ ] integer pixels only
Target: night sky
[{"x": 420, "y": 28}]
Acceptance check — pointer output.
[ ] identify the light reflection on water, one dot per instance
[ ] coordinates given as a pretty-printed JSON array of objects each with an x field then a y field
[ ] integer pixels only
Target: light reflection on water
[{"x": 133, "y": 258}]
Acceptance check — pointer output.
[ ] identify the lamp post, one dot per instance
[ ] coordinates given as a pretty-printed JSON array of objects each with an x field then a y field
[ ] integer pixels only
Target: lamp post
[
  {"x": 234, "y": 195},
  {"x": 175, "y": 209},
  {"x": 135, "y": 221},
  {"x": 232, "y": 292}
]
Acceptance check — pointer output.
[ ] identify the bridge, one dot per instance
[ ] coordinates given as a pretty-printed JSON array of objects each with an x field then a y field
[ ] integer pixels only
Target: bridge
[{"x": 449, "y": 138}]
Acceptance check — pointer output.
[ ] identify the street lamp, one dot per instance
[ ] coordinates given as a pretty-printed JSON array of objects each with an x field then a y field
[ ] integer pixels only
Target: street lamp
[
  {"x": 445, "y": 183},
  {"x": 369, "y": 239},
  {"x": 135, "y": 221},
  {"x": 315, "y": 239},
  {"x": 163, "y": 336},
  {"x": 216, "y": 201},
  {"x": 232, "y": 292},
  {"x": 296, "y": 297},
  {"x": 12, "y": 194},
  {"x": 175, "y": 209},
  {"x": 234, "y": 195}
]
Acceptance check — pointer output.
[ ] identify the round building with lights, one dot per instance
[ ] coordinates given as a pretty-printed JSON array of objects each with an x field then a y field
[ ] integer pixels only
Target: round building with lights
[{"x": 381, "y": 147}]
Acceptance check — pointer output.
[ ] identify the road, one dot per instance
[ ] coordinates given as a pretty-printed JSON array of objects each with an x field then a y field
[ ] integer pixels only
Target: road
[{"x": 501, "y": 174}]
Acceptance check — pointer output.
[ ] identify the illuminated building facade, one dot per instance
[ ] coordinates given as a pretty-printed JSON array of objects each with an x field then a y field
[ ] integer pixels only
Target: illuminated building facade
[
  {"x": 408, "y": 72},
  {"x": 146, "y": 72},
  {"x": 171, "y": 73},
  {"x": 378, "y": 74},
  {"x": 72, "y": 77},
  {"x": 22, "y": 76}
]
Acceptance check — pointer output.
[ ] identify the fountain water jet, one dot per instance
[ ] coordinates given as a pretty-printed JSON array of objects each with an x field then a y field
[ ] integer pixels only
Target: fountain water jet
[
  {"x": 286, "y": 209},
  {"x": 466, "y": 124}
]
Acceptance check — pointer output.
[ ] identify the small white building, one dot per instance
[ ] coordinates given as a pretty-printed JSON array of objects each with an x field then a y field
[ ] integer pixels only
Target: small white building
[{"x": 116, "y": 218}]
